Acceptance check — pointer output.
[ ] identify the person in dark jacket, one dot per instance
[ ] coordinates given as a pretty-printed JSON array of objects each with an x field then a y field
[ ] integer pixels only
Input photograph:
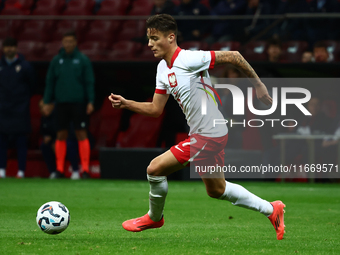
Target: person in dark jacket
[
  {"x": 70, "y": 85},
  {"x": 191, "y": 30},
  {"x": 163, "y": 6},
  {"x": 17, "y": 81}
]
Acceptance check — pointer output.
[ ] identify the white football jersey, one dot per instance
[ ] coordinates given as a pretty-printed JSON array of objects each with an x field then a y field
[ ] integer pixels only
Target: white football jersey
[{"x": 187, "y": 79}]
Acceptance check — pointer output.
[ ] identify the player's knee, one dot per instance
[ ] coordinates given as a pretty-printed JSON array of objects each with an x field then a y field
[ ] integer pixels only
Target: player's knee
[
  {"x": 152, "y": 169},
  {"x": 215, "y": 192}
]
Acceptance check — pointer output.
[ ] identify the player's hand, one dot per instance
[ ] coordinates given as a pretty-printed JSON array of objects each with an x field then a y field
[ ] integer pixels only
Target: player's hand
[
  {"x": 117, "y": 101},
  {"x": 89, "y": 108},
  {"x": 263, "y": 95},
  {"x": 46, "y": 109}
]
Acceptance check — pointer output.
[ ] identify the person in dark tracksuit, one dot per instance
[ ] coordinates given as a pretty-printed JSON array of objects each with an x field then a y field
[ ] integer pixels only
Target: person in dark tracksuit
[
  {"x": 70, "y": 84},
  {"x": 17, "y": 82}
]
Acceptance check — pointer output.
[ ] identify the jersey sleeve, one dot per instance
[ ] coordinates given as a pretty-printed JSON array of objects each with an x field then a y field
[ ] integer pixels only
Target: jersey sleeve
[
  {"x": 161, "y": 88},
  {"x": 200, "y": 60}
]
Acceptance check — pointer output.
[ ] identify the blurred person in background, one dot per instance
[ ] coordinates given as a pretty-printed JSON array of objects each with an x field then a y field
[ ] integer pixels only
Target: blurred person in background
[
  {"x": 48, "y": 130},
  {"x": 307, "y": 57},
  {"x": 191, "y": 30},
  {"x": 321, "y": 54},
  {"x": 321, "y": 28},
  {"x": 252, "y": 27},
  {"x": 163, "y": 6},
  {"x": 17, "y": 82},
  {"x": 226, "y": 30},
  {"x": 274, "y": 50},
  {"x": 70, "y": 84}
]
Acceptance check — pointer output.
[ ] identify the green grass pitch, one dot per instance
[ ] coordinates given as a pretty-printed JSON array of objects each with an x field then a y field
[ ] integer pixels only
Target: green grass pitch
[{"x": 194, "y": 223}]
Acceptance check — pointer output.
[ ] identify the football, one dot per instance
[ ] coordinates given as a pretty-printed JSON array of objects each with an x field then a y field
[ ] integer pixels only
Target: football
[{"x": 53, "y": 217}]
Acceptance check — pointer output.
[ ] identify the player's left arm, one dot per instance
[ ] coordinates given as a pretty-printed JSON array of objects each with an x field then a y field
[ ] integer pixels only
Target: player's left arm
[{"x": 236, "y": 59}]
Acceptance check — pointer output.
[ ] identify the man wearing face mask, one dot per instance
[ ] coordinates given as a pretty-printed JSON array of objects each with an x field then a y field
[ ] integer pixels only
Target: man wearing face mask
[
  {"x": 70, "y": 84},
  {"x": 17, "y": 81}
]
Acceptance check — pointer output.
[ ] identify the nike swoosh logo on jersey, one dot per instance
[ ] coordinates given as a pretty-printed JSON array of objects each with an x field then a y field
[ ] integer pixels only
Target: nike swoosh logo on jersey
[{"x": 178, "y": 148}]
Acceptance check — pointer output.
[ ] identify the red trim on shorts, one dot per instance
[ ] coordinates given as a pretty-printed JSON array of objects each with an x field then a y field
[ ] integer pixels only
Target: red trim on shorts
[
  {"x": 190, "y": 148},
  {"x": 174, "y": 57},
  {"x": 160, "y": 91},
  {"x": 212, "y": 62}
]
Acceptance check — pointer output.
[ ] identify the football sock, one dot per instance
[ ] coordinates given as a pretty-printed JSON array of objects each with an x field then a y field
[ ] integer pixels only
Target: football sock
[
  {"x": 84, "y": 153},
  {"x": 60, "y": 153},
  {"x": 157, "y": 195},
  {"x": 241, "y": 197}
]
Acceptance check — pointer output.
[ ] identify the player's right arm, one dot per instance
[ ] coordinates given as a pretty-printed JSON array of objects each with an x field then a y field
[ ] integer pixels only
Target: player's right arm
[{"x": 152, "y": 109}]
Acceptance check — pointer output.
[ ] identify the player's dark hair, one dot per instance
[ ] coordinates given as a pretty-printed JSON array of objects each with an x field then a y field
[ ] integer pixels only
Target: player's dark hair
[
  {"x": 164, "y": 23},
  {"x": 70, "y": 33},
  {"x": 9, "y": 41}
]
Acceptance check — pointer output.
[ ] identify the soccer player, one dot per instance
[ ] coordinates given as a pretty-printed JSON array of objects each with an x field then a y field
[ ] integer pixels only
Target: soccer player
[{"x": 206, "y": 143}]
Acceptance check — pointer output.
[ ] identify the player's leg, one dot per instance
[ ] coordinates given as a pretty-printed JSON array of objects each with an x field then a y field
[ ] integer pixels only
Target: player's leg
[
  {"x": 84, "y": 149},
  {"x": 3, "y": 154},
  {"x": 60, "y": 149},
  {"x": 158, "y": 169},
  {"x": 218, "y": 187},
  {"x": 72, "y": 156},
  {"x": 21, "y": 143},
  {"x": 80, "y": 121},
  {"x": 63, "y": 123},
  {"x": 157, "y": 173}
]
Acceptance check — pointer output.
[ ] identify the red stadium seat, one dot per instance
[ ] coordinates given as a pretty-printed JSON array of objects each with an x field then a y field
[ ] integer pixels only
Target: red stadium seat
[
  {"x": 105, "y": 125},
  {"x": 176, "y": 2},
  {"x": 147, "y": 54},
  {"x": 132, "y": 29},
  {"x": 4, "y": 29},
  {"x": 49, "y": 7},
  {"x": 14, "y": 11},
  {"x": 194, "y": 45},
  {"x": 52, "y": 49},
  {"x": 124, "y": 50},
  {"x": 102, "y": 30},
  {"x": 113, "y": 7},
  {"x": 94, "y": 50},
  {"x": 205, "y": 3},
  {"x": 225, "y": 46},
  {"x": 79, "y": 7},
  {"x": 143, "y": 132},
  {"x": 32, "y": 51},
  {"x": 255, "y": 51},
  {"x": 36, "y": 30},
  {"x": 141, "y": 7},
  {"x": 293, "y": 50},
  {"x": 9, "y": 28},
  {"x": 20, "y": 4},
  {"x": 63, "y": 26}
]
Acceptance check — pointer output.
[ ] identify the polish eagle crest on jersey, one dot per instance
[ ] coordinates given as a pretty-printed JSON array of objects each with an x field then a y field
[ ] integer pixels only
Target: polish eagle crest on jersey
[{"x": 172, "y": 80}]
